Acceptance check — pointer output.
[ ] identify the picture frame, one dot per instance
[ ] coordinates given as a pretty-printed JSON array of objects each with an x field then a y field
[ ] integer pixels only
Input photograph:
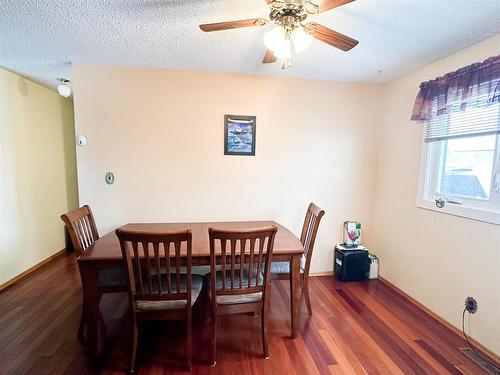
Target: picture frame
[{"x": 239, "y": 135}]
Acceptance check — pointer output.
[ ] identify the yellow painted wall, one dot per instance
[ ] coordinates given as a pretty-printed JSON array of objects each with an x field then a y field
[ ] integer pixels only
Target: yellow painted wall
[
  {"x": 436, "y": 258},
  {"x": 38, "y": 172}
]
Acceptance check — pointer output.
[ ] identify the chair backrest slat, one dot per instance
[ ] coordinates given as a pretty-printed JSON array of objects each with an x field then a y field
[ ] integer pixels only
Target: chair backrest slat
[
  {"x": 156, "y": 250},
  {"x": 242, "y": 258},
  {"x": 309, "y": 232},
  {"x": 81, "y": 228},
  {"x": 223, "y": 262},
  {"x": 137, "y": 263},
  {"x": 251, "y": 259},
  {"x": 81, "y": 233},
  {"x": 166, "y": 247},
  {"x": 242, "y": 271},
  {"x": 152, "y": 271},
  {"x": 260, "y": 256},
  {"x": 87, "y": 233},
  {"x": 177, "y": 264},
  {"x": 147, "y": 269},
  {"x": 233, "y": 256},
  {"x": 89, "y": 229}
]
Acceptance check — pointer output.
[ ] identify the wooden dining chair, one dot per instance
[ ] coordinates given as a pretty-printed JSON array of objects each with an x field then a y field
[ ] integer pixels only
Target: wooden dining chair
[
  {"x": 239, "y": 269},
  {"x": 81, "y": 228},
  {"x": 83, "y": 233},
  {"x": 281, "y": 270},
  {"x": 158, "y": 289}
]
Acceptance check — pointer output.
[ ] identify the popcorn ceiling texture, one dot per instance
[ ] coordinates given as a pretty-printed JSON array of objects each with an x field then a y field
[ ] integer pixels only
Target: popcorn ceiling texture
[{"x": 42, "y": 38}]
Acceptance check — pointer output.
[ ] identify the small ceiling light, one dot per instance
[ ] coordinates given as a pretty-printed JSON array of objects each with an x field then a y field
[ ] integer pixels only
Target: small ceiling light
[{"x": 64, "y": 88}]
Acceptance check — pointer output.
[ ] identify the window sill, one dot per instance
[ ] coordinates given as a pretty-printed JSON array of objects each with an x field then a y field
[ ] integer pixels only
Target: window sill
[{"x": 488, "y": 216}]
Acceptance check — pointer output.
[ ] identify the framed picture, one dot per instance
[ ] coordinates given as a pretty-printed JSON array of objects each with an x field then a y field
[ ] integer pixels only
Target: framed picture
[{"x": 239, "y": 135}]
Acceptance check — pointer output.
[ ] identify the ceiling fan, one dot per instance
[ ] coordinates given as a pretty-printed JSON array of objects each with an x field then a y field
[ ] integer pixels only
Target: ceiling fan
[{"x": 291, "y": 30}]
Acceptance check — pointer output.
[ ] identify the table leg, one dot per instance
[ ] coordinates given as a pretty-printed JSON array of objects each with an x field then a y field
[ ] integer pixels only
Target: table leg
[
  {"x": 295, "y": 294},
  {"x": 90, "y": 286}
]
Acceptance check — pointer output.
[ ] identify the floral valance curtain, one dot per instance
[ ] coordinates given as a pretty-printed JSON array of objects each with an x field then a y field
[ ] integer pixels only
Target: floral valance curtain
[{"x": 476, "y": 84}]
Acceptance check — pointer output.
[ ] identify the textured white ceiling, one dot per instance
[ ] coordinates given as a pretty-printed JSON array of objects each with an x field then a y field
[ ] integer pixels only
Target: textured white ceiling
[{"x": 42, "y": 38}]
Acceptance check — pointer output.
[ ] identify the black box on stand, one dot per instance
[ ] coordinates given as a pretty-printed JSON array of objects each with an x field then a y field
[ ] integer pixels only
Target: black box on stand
[{"x": 350, "y": 264}]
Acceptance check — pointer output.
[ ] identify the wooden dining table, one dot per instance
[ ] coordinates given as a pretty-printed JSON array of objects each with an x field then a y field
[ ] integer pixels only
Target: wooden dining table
[{"x": 105, "y": 253}]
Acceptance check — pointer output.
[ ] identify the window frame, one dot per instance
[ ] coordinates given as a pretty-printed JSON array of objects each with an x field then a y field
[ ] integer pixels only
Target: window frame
[{"x": 429, "y": 173}]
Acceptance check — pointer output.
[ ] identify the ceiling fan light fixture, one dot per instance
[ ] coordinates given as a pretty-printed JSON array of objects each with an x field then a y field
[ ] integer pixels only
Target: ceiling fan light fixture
[
  {"x": 301, "y": 40},
  {"x": 293, "y": 33}
]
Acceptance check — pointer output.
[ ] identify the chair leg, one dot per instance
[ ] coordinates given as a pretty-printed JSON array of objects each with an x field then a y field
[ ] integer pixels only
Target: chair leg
[
  {"x": 81, "y": 326},
  {"x": 189, "y": 343},
  {"x": 133, "y": 352},
  {"x": 213, "y": 323},
  {"x": 305, "y": 290},
  {"x": 264, "y": 333}
]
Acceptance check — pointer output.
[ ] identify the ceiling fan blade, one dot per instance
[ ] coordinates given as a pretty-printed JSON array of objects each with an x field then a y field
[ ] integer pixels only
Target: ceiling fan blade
[
  {"x": 330, "y": 36},
  {"x": 269, "y": 57},
  {"x": 325, "y": 5},
  {"x": 233, "y": 24}
]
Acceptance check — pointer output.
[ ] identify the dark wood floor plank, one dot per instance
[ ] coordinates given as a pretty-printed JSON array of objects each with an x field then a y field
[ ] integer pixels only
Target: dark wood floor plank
[
  {"x": 416, "y": 325},
  {"x": 352, "y": 332},
  {"x": 447, "y": 365},
  {"x": 357, "y": 328},
  {"x": 407, "y": 331},
  {"x": 409, "y": 361},
  {"x": 321, "y": 356},
  {"x": 386, "y": 355}
]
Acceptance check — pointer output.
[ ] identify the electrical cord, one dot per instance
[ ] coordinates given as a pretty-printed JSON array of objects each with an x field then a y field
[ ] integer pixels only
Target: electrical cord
[
  {"x": 471, "y": 308},
  {"x": 465, "y": 335}
]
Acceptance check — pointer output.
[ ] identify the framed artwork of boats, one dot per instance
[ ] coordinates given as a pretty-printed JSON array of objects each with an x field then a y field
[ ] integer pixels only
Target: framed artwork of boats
[{"x": 239, "y": 135}]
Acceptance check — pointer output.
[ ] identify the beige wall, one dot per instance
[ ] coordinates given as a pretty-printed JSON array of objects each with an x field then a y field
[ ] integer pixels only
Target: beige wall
[
  {"x": 161, "y": 133},
  {"x": 436, "y": 258},
  {"x": 37, "y": 168}
]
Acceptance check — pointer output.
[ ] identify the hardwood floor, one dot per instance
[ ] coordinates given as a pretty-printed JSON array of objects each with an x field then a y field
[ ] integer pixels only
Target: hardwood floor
[{"x": 357, "y": 328}]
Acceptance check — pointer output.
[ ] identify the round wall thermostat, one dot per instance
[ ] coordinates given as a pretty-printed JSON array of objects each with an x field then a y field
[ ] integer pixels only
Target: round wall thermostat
[
  {"x": 109, "y": 178},
  {"x": 81, "y": 140}
]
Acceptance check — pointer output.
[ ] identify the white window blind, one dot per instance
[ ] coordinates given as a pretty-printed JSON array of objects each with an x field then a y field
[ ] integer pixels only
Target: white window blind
[{"x": 479, "y": 118}]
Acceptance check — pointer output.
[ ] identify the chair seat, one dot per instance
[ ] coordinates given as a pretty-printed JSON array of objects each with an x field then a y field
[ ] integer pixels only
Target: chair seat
[
  {"x": 236, "y": 298},
  {"x": 196, "y": 286},
  {"x": 284, "y": 267},
  {"x": 113, "y": 277}
]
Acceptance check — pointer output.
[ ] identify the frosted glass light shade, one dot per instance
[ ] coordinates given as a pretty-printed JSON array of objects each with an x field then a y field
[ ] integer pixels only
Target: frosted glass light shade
[
  {"x": 284, "y": 51},
  {"x": 301, "y": 40},
  {"x": 64, "y": 90},
  {"x": 275, "y": 39}
]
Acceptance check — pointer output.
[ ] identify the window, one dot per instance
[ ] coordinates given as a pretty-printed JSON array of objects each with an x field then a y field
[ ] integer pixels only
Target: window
[{"x": 460, "y": 166}]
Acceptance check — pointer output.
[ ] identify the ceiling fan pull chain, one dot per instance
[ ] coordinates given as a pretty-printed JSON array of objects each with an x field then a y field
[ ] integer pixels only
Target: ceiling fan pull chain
[{"x": 287, "y": 63}]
